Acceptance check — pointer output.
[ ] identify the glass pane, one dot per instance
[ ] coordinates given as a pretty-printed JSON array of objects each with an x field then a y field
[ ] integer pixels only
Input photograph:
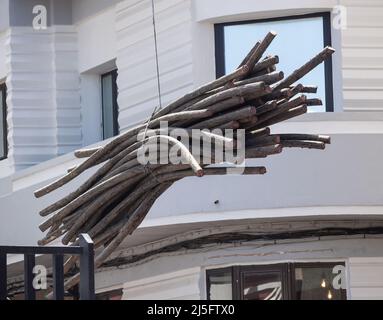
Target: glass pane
[
  {"x": 262, "y": 286},
  {"x": 298, "y": 41},
  {"x": 2, "y": 129},
  {"x": 107, "y": 106},
  {"x": 220, "y": 286},
  {"x": 316, "y": 284}
]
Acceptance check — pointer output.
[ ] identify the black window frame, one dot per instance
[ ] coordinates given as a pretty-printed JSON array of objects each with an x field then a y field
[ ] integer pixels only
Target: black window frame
[
  {"x": 326, "y": 16},
  {"x": 3, "y": 92},
  {"x": 287, "y": 271},
  {"x": 116, "y": 129}
]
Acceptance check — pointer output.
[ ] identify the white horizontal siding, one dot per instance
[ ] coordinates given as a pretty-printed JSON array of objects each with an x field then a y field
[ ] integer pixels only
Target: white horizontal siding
[
  {"x": 67, "y": 90},
  {"x": 43, "y": 99},
  {"x": 137, "y": 74},
  {"x": 362, "y": 53},
  {"x": 366, "y": 278}
]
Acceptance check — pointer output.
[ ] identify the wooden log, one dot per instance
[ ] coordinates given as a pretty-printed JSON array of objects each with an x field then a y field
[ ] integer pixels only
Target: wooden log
[
  {"x": 215, "y": 108},
  {"x": 259, "y": 51},
  {"x": 296, "y": 89},
  {"x": 314, "y": 102},
  {"x": 268, "y": 79},
  {"x": 249, "y": 54},
  {"x": 263, "y": 152},
  {"x": 306, "y": 68},
  {"x": 181, "y": 116},
  {"x": 308, "y": 137},
  {"x": 257, "y": 89},
  {"x": 201, "y": 90},
  {"x": 282, "y": 117},
  {"x": 303, "y": 144},
  {"x": 285, "y": 93},
  {"x": 308, "y": 89},
  {"x": 265, "y": 64},
  {"x": 281, "y": 109},
  {"x": 225, "y": 118},
  {"x": 85, "y": 153},
  {"x": 228, "y": 125},
  {"x": 262, "y": 141},
  {"x": 267, "y": 107},
  {"x": 260, "y": 132}
]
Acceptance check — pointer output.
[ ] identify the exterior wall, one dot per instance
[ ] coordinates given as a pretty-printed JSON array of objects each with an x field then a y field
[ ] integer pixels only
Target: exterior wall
[
  {"x": 97, "y": 54},
  {"x": 137, "y": 78},
  {"x": 362, "y": 52},
  {"x": 66, "y": 90},
  {"x": 181, "y": 285},
  {"x": 43, "y": 94},
  {"x": 3, "y": 71},
  {"x": 366, "y": 278}
]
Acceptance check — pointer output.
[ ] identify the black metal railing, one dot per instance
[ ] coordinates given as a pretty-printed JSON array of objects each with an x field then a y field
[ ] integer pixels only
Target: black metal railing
[{"x": 85, "y": 250}]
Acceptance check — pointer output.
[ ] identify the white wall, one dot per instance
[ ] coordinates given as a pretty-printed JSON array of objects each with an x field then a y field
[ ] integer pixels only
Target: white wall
[
  {"x": 366, "y": 278},
  {"x": 137, "y": 79},
  {"x": 362, "y": 52},
  {"x": 180, "y": 285},
  {"x": 43, "y": 94},
  {"x": 3, "y": 71},
  {"x": 96, "y": 39},
  {"x": 4, "y": 15}
]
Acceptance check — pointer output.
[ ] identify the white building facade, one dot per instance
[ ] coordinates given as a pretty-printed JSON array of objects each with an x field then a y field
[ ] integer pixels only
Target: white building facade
[{"x": 215, "y": 237}]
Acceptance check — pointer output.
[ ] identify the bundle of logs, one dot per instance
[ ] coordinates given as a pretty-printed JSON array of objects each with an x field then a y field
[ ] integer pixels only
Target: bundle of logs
[{"x": 112, "y": 203}]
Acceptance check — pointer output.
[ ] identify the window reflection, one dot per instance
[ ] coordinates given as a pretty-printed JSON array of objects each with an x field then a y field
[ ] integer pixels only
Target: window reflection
[{"x": 262, "y": 286}]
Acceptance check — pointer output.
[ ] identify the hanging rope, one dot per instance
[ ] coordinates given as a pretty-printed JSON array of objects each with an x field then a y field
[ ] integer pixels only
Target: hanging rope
[
  {"x": 156, "y": 54},
  {"x": 159, "y": 107}
]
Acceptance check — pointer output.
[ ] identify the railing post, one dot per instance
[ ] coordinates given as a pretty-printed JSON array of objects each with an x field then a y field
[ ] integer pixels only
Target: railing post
[
  {"x": 86, "y": 268},
  {"x": 58, "y": 276},
  {"x": 29, "y": 264},
  {"x": 3, "y": 275}
]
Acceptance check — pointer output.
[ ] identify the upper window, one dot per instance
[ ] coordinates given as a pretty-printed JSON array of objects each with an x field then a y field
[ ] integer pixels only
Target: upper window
[
  {"x": 289, "y": 281},
  {"x": 299, "y": 39},
  {"x": 3, "y": 122},
  {"x": 109, "y": 104}
]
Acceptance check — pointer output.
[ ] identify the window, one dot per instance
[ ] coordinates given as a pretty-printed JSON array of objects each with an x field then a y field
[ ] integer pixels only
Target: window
[
  {"x": 3, "y": 122},
  {"x": 109, "y": 104},
  {"x": 299, "y": 39},
  {"x": 289, "y": 281}
]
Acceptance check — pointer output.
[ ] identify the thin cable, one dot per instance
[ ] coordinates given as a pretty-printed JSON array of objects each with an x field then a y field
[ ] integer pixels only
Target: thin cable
[
  {"x": 159, "y": 107},
  {"x": 156, "y": 53},
  {"x": 158, "y": 72}
]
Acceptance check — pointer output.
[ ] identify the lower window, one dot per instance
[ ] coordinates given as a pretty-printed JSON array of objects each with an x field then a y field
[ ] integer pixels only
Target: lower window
[{"x": 289, "y": 281}]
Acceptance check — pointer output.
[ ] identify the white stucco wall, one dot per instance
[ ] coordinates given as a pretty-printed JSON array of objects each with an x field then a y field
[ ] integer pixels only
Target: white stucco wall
[{"x": 366, "y": 278}]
